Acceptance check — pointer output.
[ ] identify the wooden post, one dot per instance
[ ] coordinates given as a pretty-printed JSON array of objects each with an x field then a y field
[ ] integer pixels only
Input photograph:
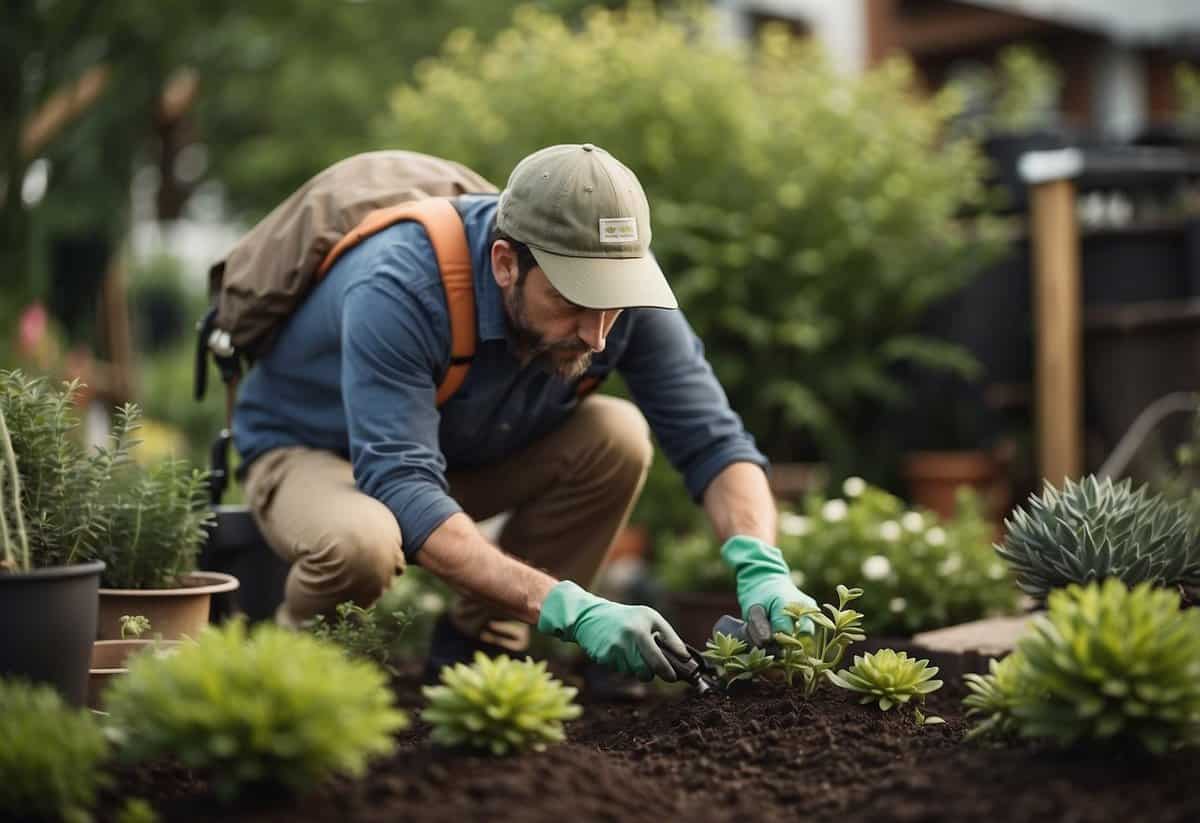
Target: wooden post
[{"x": 1058, "y": 333}]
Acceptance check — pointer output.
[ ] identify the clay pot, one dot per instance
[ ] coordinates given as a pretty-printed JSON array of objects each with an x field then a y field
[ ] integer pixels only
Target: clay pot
[
  {"x": 173, "y": 613},
  {"x": 109, "y": 659},
  {"x": 933, "y": 478}
]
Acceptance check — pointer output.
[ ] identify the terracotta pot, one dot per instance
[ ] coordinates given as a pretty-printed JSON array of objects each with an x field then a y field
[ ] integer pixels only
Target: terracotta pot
[
  {"x": 934, "y": 477},
  {"x": 173, "y": 613},
  {"x": 693, "y": 614},
  {"x": 49, "y": 619},
  {"x": 108, "y": 661}
]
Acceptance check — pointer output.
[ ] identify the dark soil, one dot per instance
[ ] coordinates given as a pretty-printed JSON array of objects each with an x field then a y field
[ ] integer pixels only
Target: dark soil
[{"x": 760, "y": 755}]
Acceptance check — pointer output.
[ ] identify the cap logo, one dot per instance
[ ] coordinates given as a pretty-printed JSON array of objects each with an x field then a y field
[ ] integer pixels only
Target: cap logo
[{"x": 618, "y": 230}]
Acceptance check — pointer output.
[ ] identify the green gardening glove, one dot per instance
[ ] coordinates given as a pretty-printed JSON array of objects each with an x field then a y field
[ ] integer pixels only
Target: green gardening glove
[
  {"x": 611, "y": 633},
  {"x": 763, "y": 579}
]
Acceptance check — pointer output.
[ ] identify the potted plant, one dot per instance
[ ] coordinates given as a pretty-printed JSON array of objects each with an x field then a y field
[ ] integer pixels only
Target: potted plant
[
  {"x": 109, "y": 657},
  {"x": 156, "y": 519},
  {"x": 47, "y": 511}
]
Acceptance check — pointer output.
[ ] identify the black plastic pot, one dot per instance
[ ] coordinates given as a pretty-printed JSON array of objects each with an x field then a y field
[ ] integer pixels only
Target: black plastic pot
[
  {"x": 49, "y": 619},
  {"x": 235, "y": 546}
]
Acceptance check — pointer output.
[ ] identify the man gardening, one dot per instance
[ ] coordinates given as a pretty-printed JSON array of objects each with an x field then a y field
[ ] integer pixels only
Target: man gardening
[{"x": 354, "y": 469}]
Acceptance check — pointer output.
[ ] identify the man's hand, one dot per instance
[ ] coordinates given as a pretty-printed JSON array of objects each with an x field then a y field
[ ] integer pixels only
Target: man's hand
[
  {"x": 763, "y": 579},
  {"x": 611, "y": 633}
]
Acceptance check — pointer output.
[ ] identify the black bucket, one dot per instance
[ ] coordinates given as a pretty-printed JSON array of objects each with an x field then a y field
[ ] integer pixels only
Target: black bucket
[{"x": 49, "y": 617}]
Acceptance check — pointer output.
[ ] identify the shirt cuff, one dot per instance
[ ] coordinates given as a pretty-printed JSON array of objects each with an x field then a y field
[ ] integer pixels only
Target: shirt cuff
[{"x": 420, "y": 511}]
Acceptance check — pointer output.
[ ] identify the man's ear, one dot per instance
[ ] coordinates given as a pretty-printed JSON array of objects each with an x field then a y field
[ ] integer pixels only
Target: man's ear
[{"x": 504, "y": 263}]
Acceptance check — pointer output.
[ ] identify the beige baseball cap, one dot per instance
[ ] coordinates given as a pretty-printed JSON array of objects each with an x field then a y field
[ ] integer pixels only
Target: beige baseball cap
[{"x": 585, "y": 218}]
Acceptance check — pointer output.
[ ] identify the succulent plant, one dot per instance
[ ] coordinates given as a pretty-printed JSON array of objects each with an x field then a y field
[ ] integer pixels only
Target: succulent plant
[
  {"x": 50, "y": 755},
  {"x": 732, "y": 660},
  {"x": 1095, "y": 529},
  {"x": 499, "y": 704},
  {"x": 890, "y": 678},
  {"x": 994, "y": 695},
  {"x": 273, "y": 706},
  {"x": 1108, "y": 662}
]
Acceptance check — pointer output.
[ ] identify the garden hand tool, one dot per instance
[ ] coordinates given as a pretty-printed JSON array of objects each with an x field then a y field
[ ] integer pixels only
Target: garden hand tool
[
  {"x": 693, "y": 669},
  {"x": 755, "y": 631}
]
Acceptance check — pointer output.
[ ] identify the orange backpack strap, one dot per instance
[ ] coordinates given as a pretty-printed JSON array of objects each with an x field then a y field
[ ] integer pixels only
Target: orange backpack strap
[{"x": 449, "y": 238}]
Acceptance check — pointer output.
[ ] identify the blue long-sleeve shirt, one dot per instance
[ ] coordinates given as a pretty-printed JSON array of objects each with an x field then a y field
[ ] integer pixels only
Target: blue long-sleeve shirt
[{"x": 356, "y": 368}]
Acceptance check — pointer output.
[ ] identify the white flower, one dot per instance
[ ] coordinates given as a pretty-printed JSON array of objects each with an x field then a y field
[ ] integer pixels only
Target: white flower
[
  {"x": 996, "y": 571},
  {"x": 834, "y": 510},
  {"x": 854, "y": 486},
  {"x": 936, "y": 536},
  {"x": 913, "y": 521},
  {"x": 797, "y": 578},
  {"x": 950, "y": 565},
  {"x": 796, "y": 525},
  {"x": 889, "y": 530},
  {"x": 876, "y": 567},
  {"x": 897, "y": 604},
  {"x": 431, "y": 602}
]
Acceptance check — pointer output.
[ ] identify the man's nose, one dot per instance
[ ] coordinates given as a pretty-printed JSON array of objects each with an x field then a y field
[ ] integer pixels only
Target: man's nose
[{"x": 593, "y": 329}]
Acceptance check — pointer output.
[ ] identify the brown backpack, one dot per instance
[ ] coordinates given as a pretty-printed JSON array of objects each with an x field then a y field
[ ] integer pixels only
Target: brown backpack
[{"x": 262, "y": 280}]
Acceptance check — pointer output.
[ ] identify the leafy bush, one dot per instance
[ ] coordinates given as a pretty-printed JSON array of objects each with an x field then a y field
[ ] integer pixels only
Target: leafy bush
[
  {"x": 1106, "y": 662},
  {"x": 50, "y": 755},
  {"x": 917, "y": 571},
  {"x": 1095, "y": 529},
  {"x": 372, "y": 633},
  {"x": 890, "y": 678},
  {"x": 792, "y": 256},
  {"x": 273, "y": 707},
  {"x": 499, "y": 704}
]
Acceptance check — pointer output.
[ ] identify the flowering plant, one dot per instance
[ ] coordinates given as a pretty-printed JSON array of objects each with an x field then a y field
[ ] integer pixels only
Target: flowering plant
[{"x": 918, "y": 572}]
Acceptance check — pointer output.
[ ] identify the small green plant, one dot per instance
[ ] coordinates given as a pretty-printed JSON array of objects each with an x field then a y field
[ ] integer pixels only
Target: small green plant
[
  {"x": 994, "y": 696},
  {"x": 499, "y": 704},
  {"x": 14, "y": 538},
  {"x": 268, "y": 707},
  {"x": 369, "y": 633},
  {"x": 1106, "y": 662},
  {"x": 890, "y": 678},
  {"x": 811, "y": 655},
  {"x": 50, "y": 755},
  {"x": 1096, "y": 529},
  {"x": 137, "y": 810},
  {"x": 134, "y": 625},
  {"x": 732, "y": 660}
]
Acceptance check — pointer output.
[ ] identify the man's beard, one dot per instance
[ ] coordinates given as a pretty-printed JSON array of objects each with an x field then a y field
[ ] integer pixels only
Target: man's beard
[{"x": 566, "y": 359}]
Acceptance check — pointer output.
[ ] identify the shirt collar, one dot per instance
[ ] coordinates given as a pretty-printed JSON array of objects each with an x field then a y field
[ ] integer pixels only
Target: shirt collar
[{"x": 479, "y": 216}]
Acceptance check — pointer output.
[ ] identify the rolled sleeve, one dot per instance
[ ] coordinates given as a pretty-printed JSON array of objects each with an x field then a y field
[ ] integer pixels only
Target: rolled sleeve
[
  {"x": 393, "y": 346},
  {"x": 673, "y": 384}
]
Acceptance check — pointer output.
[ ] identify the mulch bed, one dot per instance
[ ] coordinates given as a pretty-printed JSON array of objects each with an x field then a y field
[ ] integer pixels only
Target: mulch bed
[{"x": 761, "y": 755}]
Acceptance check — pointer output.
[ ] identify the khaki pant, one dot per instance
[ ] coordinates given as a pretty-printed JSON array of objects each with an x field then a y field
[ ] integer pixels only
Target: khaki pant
[{"x": 569, "y": 495}]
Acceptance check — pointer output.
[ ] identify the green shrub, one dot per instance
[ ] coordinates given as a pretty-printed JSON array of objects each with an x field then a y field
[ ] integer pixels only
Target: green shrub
[
  {"x": 273, "y": 706},
  {"x": 917, "y": 572},
  {"x": 804, "y": 264},
  {"x": 1095, "y": 529},
  {"x": 50, "y": 755},
  {"x": 890, "y": 678},
  {"x": 1105, "y": 662},
  {"x": 373, "y": 633},
  {"x": 499, "y": 704}
]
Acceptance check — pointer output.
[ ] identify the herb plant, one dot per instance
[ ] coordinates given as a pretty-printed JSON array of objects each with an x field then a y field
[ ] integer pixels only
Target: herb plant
[
  {"x": 14, "y": 540},
  {"x": 1105, "y": 662},
  {"x": 369, "y": 633},
  {"x": 134, "y": 625},
  {"x": 733, "y": 661},
  {"x": 50, "y": 755},
  {"x": 812, "y": 655},
  {"x": 499, "y": 704},
  {"x": 890, "y": 678},
  {"x": 268, "y": 707},
  {"x": 1096, "y": 529}
]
